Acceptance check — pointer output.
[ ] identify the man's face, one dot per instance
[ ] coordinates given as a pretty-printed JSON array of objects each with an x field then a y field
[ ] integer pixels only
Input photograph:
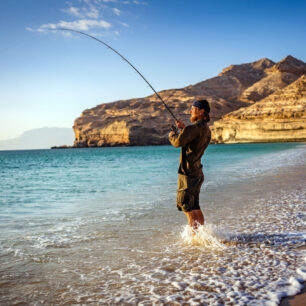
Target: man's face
[{"x": 195, "y": 113}]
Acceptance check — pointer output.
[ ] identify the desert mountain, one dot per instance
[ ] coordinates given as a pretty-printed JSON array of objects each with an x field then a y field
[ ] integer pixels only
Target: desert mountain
[
  {"x": 145, "y": 121},
  {"x": 279, "y": 117},
  {"x": 278, "y": 76},
  {"x": 42, "y": 138}
]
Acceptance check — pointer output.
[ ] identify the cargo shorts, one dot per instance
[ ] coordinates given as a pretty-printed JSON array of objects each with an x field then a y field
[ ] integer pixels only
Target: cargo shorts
[{"x": 188, "y": 191}]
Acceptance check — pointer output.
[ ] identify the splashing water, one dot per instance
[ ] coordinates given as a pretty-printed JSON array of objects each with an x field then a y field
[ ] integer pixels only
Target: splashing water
[{"x": 205, "y": 235}]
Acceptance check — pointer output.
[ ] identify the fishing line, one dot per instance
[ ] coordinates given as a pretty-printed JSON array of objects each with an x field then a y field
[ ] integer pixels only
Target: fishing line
[{"x": 111, "y": 48}]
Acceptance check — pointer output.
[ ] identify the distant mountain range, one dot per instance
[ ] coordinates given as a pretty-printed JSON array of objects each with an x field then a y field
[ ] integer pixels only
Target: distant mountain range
[
  {"x": 145, "y": 121},
  {"x": 262, "y": 101},
  {"x": 42, "y": 138}
]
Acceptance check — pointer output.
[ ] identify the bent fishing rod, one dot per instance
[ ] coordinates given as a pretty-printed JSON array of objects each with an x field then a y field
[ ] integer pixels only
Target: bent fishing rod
[{"x": 111, "y": 48}]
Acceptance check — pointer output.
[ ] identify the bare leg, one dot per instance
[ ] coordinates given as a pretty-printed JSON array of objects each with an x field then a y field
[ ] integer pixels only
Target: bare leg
[
  {"x": 198, "y": 216},
  {"x": 195, "y": 217},
  {"x": 189, "y": 217}
]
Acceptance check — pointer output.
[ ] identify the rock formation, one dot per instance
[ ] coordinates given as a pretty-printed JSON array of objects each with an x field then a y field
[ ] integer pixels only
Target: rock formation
[
  {"x": 145, "y": 121},
  {"x": 279, "y": 117},
  {"x": 278, "y": 76},
  {"x": 130, "y": 122}
]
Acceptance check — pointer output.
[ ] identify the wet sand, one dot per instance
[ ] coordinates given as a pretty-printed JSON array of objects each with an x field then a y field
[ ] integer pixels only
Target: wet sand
[
  {"x": 300, "y": 298},
  {"x": 297, "y": 300}
]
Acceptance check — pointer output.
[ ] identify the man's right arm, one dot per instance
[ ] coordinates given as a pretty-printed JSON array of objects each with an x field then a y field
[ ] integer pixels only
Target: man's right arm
[{"x": 185, "y": 136}]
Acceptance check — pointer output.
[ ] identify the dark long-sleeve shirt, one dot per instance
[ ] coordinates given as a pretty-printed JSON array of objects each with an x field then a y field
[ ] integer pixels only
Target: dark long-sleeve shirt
[{"x": 193, "y": 140}]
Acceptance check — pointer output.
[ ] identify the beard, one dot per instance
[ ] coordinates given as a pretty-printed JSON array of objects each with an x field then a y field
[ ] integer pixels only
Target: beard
[{"x": 193, "y": 118}]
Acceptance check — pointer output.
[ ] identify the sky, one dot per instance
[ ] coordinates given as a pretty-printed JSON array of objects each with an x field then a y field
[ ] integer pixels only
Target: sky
[{"x": 48, "y": 77}]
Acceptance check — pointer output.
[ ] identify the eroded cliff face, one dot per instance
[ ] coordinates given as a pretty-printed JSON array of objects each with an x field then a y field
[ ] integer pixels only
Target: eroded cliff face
[
  {"x": 276, "y": 77},
  {"x": 131, "y": 122},
  {"x": 145, "y": 121},
  {"x": 279, "y": 117},
  {"x": 233, "y": 81}
]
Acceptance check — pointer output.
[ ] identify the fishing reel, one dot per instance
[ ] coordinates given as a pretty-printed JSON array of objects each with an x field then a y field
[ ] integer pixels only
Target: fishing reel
[{"x": 175, "y": 129}]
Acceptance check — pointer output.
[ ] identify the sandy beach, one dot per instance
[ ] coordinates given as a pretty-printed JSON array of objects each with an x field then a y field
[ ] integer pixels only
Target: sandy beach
[
  {"x": 297, "y": 300},
  {"x": 101, "y": 227},
  {"x": 300, "y": 298}
]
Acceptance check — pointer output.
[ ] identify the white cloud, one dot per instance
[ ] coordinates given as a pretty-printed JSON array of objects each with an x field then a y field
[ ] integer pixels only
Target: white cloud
[
  {"x": 124, "y": 24},
  {"x": 72, "y": 10},
  {"x": 140, "y": 2},
  {"x": 104, "y": 1},
  {"x": 87, "y": 15},
  {"x": 34, "y": 30},
  {"x": 85, "y": 24},
  {"x": 78, "y": 25},
  {"x": 66, "y": 33},
  {"x": 116, "y": 11},
  {"x": 92, "y": 12}
]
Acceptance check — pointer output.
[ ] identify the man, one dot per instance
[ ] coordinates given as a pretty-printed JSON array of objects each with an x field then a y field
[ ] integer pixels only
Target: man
[{"x": 193, "y": 140}]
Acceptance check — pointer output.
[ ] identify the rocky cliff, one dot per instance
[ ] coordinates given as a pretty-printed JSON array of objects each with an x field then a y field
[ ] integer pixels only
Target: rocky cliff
[
  {"x": 279, "y": 117},
  {"x": 276, "y": 77},
  {"x": 145, "y": 121}
]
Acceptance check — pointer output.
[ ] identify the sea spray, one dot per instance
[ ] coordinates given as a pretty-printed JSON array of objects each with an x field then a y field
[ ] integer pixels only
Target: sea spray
[{"x": 205, "y": 235}]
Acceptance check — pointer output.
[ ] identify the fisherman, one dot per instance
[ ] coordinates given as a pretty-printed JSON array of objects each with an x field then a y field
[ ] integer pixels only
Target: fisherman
[{"x": 193, "y": 140}]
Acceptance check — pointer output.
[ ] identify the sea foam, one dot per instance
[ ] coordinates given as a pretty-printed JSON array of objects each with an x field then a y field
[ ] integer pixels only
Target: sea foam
[{"x": 208, "y": 236}]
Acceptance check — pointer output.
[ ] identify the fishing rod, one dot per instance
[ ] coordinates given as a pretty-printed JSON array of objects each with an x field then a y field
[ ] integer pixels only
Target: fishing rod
[{"x": 111, "y": 48}]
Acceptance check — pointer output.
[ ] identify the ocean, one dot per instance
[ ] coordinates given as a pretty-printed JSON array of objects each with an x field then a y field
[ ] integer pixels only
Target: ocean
[{"x": 100, "y": 226}]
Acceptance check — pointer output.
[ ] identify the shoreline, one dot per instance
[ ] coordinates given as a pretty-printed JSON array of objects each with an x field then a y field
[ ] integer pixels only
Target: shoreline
[
  {"x": 298, "y": 299},
  {"x": 295, "y": 300},
  {"x": 163, "y": 144}
]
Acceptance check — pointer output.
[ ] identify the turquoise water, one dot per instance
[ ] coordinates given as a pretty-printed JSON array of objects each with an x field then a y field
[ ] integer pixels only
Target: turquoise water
[
  {"x": 53, "y": 181},
  {"x": 100, "y": 225}
]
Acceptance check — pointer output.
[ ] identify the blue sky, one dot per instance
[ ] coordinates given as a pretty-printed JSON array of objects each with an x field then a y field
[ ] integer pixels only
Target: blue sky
[{"x": 49, "y": 77}]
